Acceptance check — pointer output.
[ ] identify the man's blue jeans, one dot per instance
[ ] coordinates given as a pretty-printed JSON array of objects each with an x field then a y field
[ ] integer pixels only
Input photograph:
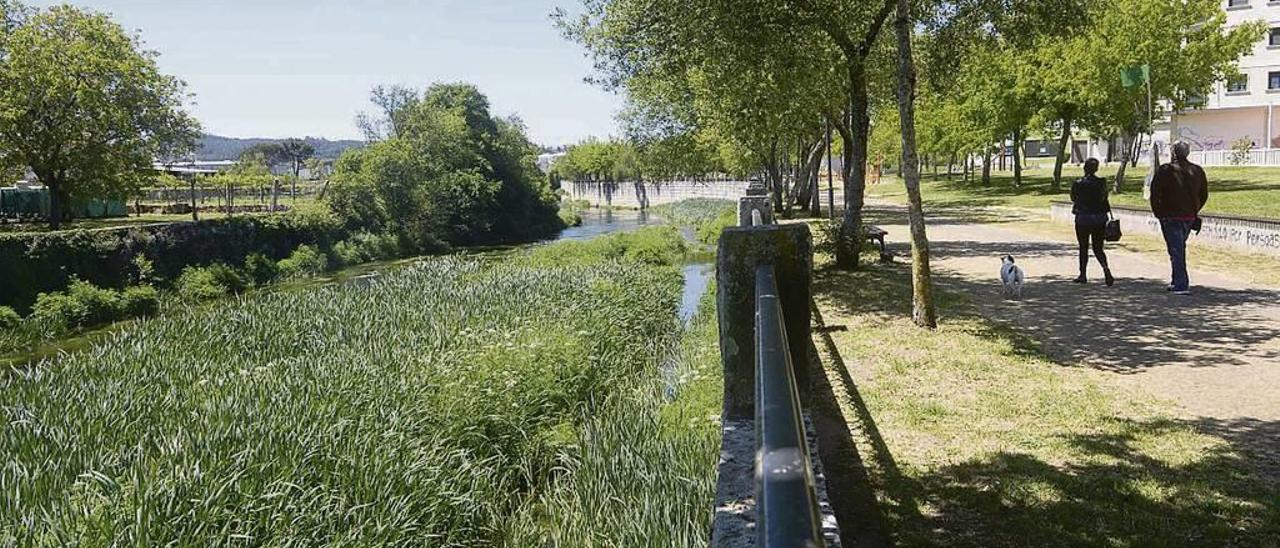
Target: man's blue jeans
[{"x": 1175, "y": 239}]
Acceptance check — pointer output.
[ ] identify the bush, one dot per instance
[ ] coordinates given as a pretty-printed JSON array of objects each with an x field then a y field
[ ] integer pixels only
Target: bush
[
  {"x": 82, "y": 305},
  {"x": 140, "y": 301},
  {"x": 199, "y": 283},
  {"x": 8, "y": 318},
  {"x": 304, "y": 261},
  {"x": 37, "y": 263},
  {"x": 365, "y": 247},
  {"x": 652, "y": 245},
  {"x": 260, "y": 268}
]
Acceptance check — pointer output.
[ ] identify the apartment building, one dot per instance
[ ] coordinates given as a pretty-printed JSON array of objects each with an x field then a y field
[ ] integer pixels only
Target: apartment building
[{"x": 1243, "y": 106}]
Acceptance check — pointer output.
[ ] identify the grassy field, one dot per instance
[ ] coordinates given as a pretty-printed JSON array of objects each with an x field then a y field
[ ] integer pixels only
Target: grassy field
[
  {"x": 972, "y": 437},
  {"x": 460, "y": 402},
  {"x": 1244, "y": 191}
]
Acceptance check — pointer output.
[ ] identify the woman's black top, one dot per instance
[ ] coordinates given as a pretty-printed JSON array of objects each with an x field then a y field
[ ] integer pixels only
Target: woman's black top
[{"x": 1089, "y": 194}]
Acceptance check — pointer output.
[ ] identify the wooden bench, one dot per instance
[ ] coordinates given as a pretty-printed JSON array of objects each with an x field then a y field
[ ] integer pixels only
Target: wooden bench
[{"x": 877, "y": 234}]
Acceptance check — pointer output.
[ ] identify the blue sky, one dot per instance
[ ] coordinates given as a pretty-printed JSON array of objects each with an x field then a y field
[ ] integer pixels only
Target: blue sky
[{"x": 278, "y": 68}]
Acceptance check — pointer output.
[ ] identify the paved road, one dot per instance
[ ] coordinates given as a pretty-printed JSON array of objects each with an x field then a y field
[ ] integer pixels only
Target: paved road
[{"x": 1216, "y": 353}]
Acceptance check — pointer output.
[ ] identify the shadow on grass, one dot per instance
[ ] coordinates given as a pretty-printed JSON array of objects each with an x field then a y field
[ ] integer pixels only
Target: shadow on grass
[{"x": 1104, "y": 488}]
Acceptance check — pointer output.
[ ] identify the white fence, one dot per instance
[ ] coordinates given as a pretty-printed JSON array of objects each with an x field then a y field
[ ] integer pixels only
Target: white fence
[{"x": 1257, "y": 158}]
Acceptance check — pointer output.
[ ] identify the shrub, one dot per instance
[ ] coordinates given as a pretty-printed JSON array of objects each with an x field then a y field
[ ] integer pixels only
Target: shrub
[
  {"x": 37, "y": 263},
  {"x": 1241, "y": 149},
  {"x": 260, "y": 268},
  {"x": 82, "y": 305},
  {"x": 210, "y": 282},
  {"x": 8, "y": 318},
  {"x": 304, "y": 261},
  {"x": 144, "y": 270},
  {"x": 652, "y": 245},
  {"x": 141, "y": 300},
  {"x": 364, "y": 247}
]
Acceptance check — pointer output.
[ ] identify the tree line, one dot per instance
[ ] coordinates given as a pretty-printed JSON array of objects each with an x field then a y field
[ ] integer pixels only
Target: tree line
[
  {"x": 759, "y": 81},
  {"x": 84, "y": 106}
]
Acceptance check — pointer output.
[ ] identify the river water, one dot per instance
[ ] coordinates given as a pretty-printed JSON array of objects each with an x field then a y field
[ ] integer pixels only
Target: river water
[{"x": 600, "y": 222}]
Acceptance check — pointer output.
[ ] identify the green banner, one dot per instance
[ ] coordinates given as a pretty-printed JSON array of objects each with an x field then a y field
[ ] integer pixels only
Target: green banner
[{"x": 1135, "y": 76}]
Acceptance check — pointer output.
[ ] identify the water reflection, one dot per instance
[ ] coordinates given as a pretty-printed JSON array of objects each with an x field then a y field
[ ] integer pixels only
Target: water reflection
[{"x": 598, "y": 222}]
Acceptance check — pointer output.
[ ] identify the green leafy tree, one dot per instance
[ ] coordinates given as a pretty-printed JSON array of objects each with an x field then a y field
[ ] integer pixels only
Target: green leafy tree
[
  {"x": 83, "y": 104},
  {"x": 1187, "y": 47},
  {"x": 451, "y": 174}
]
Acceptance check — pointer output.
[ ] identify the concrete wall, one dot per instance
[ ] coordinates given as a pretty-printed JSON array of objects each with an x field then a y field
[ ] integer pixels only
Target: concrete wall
[
  {"x": 1240, "y": 233},
  {"x": 643, "y": 195},
  {"x": 1217, "y": 129}
]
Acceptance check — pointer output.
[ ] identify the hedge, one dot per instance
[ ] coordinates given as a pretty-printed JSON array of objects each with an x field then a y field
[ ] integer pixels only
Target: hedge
[{"x": 36, "y": 263}]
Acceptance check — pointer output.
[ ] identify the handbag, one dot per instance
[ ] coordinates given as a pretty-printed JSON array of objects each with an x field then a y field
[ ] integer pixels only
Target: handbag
[{"x": 1112, "y": 233}]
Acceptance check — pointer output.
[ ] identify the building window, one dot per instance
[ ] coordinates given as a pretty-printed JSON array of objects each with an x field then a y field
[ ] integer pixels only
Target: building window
[
  {"x": 1273, "y": 37},
  {"x": 1238, "y": 83},
  {"x": 1273, "y": 80},
  {"x": 1237, "y": 4}
]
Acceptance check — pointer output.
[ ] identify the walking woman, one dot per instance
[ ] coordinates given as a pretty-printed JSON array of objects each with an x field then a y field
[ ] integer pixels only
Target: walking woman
[{"x": 1092, "y": 210}]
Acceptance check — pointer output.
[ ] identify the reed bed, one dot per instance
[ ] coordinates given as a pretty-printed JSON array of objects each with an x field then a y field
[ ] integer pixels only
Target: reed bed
[{"x": 426, "y": 407}]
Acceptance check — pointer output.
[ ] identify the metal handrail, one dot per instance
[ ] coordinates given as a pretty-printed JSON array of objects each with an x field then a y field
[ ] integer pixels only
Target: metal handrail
[{"x": 786, "y": 492}]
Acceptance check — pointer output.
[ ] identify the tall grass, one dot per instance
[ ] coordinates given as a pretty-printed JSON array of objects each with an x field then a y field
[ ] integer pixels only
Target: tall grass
[
  {"x": 708, "y": 217},
  {"x": 413, "y": 410},
  {"x": 644, "y": 469}
]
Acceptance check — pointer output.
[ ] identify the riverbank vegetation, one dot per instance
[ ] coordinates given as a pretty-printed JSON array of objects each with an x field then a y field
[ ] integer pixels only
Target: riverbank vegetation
[
  {"x": 436, "y": 402},
  {"x": 707, "y": 217}
]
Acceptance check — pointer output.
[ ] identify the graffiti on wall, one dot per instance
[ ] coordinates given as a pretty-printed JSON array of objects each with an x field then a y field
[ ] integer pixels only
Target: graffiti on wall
[{"x": 1201, "y": 142}]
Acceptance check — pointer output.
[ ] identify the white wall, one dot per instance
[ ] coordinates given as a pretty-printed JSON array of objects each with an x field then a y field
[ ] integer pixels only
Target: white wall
[
  {"x": 1217, "y": 129},
  {"x": 642, "y": 195}
]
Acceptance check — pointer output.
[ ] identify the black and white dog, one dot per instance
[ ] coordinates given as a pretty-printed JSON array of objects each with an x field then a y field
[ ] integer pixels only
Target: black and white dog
[{"x": 1011, "y": 277}]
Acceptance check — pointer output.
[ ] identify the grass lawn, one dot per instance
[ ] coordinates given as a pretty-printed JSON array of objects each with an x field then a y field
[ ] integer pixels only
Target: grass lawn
[
  {"x": 972, "y": 437},
  {"x": 1253, "y": 192}
]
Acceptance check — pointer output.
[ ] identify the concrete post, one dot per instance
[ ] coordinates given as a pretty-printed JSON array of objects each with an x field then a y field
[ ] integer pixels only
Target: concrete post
[
  {"x": 757, "y": 199},
  {"x": 789, "y": 248}
]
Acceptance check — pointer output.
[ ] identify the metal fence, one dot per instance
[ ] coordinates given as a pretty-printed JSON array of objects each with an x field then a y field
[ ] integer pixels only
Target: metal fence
[{"x": 786, "y": 490}]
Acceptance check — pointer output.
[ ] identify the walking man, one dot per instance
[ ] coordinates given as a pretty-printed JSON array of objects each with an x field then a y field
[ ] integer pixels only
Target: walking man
[{"x": 1179, "y": 191}]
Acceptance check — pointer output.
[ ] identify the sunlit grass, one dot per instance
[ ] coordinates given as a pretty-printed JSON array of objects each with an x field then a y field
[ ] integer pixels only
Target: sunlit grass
[
  {"x": 1233, "y": 190},
  {"x": 977, "y": 439}
]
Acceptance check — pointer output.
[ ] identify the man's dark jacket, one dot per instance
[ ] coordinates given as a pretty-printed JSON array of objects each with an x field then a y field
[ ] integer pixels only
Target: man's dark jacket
[{"x": 1179, "y": 190}]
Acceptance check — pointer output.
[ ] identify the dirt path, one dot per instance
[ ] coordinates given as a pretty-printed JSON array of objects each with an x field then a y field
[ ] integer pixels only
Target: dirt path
[{"x": 1216, "y": 353}]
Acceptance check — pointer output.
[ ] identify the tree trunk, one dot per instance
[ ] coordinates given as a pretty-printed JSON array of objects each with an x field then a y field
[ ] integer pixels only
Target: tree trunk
[
  {"x": 986, "y": 168},
  {"x": 773, "y": 170},
  {"x": 1017, "y": 158},
  {"x": 854, "y": 134},
  {"x": 1063, "y": 142},
  {"x": 56, "y": 205},
  {"x": 951, "y": 163},
  {"x": 923, "y": 311},
  {"x": 812, "y": 166},
  {"x": 195, "y": 208},
  {"x": 275, "y": 194},
  {"x": 1126, "y": 153}
]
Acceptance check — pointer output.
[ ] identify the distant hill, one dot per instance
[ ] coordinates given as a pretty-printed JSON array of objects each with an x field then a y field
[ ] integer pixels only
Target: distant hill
[{"x": 214, "y": 147}]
